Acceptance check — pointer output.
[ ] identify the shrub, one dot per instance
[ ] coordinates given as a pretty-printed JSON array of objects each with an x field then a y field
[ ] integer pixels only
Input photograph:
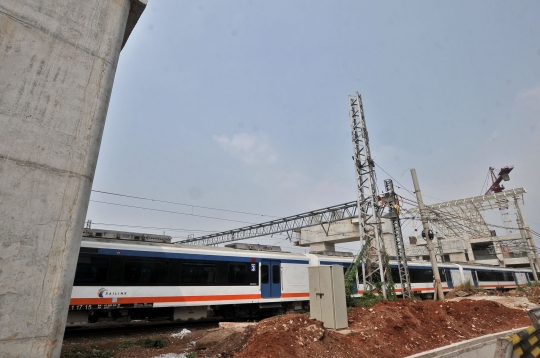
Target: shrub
[
  {"x": 367, "y": 300},
  {"x": 467, "y": 286}
]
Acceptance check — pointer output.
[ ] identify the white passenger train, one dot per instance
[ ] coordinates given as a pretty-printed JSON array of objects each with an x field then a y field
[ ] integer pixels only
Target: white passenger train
[{"x": 125, "y": 280}]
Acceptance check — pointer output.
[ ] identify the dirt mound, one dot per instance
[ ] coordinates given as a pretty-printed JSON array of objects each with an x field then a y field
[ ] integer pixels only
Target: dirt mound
[
  {"x": 402, "y": 328},
  {"x": 388, "y": 329},
  {"x": 291, "y": 335},
  {"x": 532, "y": 293}
]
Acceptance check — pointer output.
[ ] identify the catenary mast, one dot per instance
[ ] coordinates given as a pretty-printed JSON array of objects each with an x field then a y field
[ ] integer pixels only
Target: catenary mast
[{"x": 369, "y": 211}]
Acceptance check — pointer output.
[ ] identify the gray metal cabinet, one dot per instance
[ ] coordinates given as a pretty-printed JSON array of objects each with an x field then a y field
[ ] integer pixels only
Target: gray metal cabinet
[{"x": 327, "y": 296}]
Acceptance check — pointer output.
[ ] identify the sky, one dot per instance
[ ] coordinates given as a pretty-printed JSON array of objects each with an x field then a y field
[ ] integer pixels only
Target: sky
[{"x": 242, "y": 106}]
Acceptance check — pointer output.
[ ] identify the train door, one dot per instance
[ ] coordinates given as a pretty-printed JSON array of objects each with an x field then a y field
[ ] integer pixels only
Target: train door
[
  {"x": 520, "y": 278},
  {"x": 270, "y": 279},
  {"x": 467, "y": 276},
  {"x": 457, "y": 277},
  {"x": 445, "y": 276}
]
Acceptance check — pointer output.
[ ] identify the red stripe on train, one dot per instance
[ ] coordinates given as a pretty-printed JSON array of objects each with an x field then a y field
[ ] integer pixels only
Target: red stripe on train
[{"x": 172, "y": 299}]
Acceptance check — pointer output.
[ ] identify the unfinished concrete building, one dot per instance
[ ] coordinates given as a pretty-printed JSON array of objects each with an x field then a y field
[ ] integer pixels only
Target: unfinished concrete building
[{"x": 461, "y": 233}]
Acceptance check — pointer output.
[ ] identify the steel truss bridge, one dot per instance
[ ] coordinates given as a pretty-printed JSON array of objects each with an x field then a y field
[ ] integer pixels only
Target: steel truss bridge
[
  {"x": 288, "y": 225},
  {"x": 452, "y": 219}
]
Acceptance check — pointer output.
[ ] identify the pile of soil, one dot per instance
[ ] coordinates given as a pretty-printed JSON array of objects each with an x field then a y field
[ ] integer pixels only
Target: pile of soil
[
  {"x": 291, "y": 335},
  {"x": 531, "y": 293},
  {"x": 388, "y": 329}
]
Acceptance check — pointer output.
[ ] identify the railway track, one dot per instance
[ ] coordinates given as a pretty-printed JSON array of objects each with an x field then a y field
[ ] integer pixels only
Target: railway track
[{"x": 136, "y": 327}]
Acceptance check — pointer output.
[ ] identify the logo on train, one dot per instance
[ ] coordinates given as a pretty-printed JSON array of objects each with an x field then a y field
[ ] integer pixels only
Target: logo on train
[{"x": 102, "y": 292}]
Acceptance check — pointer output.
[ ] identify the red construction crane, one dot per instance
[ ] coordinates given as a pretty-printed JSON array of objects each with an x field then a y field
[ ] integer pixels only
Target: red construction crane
[{"x": 497, "y": 187}]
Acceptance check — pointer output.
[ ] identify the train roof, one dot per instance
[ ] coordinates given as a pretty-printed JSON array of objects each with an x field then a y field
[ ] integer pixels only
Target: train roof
[{"x": 165, "y": 247}]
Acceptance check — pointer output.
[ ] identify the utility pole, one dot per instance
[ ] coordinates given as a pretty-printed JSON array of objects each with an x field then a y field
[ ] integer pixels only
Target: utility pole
[
  {"x": 527, "y": 238},
  {"x": 439, "y": 294}
]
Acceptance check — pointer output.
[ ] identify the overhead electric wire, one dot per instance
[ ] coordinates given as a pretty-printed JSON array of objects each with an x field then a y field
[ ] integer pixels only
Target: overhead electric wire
[
  {"x": 456, "y": 217},
  {"x": 403, "y": 186},
  {"x": 172, "y": 212},
  {"x": 152, "y": 227},
  {"x": 176, "y": 203},
  {"x": 485, "y": 181}
]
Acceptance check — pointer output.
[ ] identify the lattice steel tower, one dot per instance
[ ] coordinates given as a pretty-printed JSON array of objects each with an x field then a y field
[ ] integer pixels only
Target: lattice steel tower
[
  {"x": 391, "y": 200},
  {"x": 369, "y": 211}
]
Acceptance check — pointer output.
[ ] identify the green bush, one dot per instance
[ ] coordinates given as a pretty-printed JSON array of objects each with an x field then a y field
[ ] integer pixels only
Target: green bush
[
  {"x": 367, "y": 300},
  {"x": 467, "y": 286}
]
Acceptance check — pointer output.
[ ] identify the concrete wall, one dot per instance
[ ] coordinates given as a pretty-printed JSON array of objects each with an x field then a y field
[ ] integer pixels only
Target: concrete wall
[
  {"x": 458, "y": 257},
  {"x": 481, "y": 347},
  {"x": 57, "y": 65},
  {"x": 319, "y": 239},
  {"x": 339, "y": 232}
]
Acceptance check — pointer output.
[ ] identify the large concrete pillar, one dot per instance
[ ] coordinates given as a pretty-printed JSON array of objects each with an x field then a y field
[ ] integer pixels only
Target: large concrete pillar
[{"x": 57, "y": 65}]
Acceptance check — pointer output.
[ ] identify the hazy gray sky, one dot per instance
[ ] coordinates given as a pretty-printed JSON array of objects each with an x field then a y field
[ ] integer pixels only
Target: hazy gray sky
[{"x": 242, "y": 105}]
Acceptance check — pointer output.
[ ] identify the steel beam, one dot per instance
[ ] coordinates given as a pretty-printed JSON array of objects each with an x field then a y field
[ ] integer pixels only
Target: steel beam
[{"x": 290, "y": 223}]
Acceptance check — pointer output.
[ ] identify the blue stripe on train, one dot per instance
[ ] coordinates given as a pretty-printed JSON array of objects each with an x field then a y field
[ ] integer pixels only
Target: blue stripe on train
[{"x": 174, "y": 255}]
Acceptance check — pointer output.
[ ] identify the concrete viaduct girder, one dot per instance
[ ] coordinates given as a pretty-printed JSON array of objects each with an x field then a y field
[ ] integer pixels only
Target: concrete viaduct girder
[{"x": 57, "y": 65}]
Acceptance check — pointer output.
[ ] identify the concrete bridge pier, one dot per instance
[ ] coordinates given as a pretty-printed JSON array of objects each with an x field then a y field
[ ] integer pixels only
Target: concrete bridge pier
[{"x": 57, "y": 65}]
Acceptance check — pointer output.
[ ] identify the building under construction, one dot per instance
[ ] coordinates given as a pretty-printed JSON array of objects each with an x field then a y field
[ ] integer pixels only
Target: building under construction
[{"x": 459, "y": 230}]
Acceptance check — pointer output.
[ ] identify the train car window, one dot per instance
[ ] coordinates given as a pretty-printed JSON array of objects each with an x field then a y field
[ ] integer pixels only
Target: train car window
[
  {"x": 237, "y": 273},
  {"x": 481, "y": 275},
  {"x": 264, "y": 273},
  {"x": 146, "y": 271},
  {"x": 276, "y": 274},
  {"x": 486, "y": 276},
  {"x": 91, "y": 270},
  {"x": 421, "y": 275},
  {"x": 199, "y": 273},
  {"x": 395, "y": 274}
]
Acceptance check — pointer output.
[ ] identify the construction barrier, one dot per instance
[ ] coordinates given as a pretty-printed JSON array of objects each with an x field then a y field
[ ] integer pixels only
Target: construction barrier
[
  {"x": 479, "y": 347},
  {"x": 524, "y": 343}
]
